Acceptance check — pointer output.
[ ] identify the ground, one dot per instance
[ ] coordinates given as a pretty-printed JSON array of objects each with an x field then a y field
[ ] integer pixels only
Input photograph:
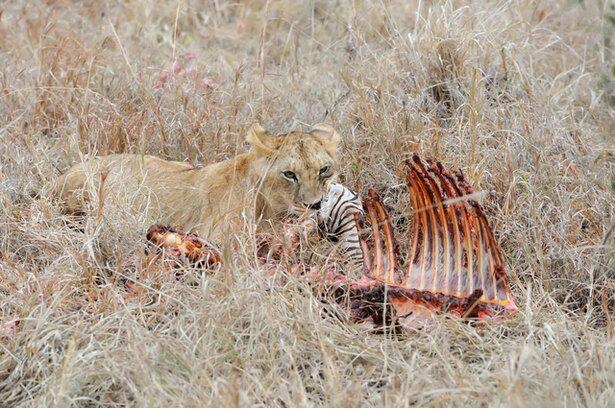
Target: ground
[{"x": 519, "y": 94}]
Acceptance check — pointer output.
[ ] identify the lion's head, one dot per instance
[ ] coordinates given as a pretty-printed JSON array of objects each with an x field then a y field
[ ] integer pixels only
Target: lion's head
[{"x": 295, "y": 169}]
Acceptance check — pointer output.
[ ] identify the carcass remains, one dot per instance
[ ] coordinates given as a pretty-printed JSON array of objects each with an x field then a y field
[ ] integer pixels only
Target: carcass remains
[{"x": 453, "y": 263}]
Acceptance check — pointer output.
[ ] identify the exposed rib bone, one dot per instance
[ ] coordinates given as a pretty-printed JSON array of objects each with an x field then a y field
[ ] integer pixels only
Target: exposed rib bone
[
  {"x": 389, "y": 257},
  {"x": 360, "y": 221},
  {"x": 454, "y": 262},
  {"x": 377, "y": 264}
]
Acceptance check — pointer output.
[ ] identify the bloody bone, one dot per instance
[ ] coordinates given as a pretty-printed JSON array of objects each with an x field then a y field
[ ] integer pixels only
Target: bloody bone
[
  {"x": 454, "y": 263},
  {"x": 185, "y": 249}
]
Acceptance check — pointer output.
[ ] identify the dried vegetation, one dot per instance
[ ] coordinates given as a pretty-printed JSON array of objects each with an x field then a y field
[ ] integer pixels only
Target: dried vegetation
[{"x": 519, "y": 94}]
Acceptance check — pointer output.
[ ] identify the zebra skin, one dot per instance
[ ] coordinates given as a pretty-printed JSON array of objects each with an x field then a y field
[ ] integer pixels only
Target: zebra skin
[{"x": 336, "y": 221}]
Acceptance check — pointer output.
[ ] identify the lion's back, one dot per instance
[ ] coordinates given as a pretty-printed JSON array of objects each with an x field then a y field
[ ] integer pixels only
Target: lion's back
[{"x": 120, "y": 173}]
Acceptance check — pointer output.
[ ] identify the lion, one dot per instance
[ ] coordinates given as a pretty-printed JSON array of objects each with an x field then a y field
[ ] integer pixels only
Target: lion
[{"x": 280, "y": 176}]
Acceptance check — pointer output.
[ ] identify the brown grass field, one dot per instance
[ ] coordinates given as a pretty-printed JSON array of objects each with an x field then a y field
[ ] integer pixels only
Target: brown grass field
[{"x": 519, "y": 94}]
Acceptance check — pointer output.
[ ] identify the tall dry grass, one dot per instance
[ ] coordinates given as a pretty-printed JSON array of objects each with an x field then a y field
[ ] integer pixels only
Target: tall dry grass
[{"x": 519, "y": 94}]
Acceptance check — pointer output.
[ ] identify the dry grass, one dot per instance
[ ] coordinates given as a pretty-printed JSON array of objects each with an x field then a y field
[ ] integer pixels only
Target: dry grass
[{"x": 519, "y": 94}]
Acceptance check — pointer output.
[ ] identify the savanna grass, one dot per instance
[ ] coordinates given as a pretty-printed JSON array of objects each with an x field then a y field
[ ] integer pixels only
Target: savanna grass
[{"x": 519, "y": 94}]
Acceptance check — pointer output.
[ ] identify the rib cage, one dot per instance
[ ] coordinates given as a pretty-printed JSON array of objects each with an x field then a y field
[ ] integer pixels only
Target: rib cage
[{"x": 453, "y": 259}]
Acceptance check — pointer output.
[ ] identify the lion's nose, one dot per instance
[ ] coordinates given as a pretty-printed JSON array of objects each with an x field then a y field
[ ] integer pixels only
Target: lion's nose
[{"x": 314, "y": 206}]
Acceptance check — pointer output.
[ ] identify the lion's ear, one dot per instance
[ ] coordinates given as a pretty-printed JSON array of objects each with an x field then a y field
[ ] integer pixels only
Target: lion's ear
[
  {"x": 261, "y": 141},
  {"x": 329, "y": 137}
]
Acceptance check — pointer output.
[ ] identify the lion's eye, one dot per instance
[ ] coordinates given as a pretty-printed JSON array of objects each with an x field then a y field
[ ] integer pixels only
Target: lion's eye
[
  {"x": 323, "y": 171},
  {"x": 289, "y": 175}
]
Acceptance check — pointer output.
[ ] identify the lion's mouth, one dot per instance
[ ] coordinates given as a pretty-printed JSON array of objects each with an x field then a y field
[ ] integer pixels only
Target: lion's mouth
[{"x": 300, "y": 211}]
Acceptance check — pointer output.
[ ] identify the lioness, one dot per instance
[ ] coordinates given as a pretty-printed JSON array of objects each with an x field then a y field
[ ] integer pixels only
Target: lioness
[{"x": 278, "y": 176}]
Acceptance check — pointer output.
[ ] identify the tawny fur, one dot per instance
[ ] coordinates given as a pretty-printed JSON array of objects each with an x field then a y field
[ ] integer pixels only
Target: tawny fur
[{"x": 215, "y": 200}]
